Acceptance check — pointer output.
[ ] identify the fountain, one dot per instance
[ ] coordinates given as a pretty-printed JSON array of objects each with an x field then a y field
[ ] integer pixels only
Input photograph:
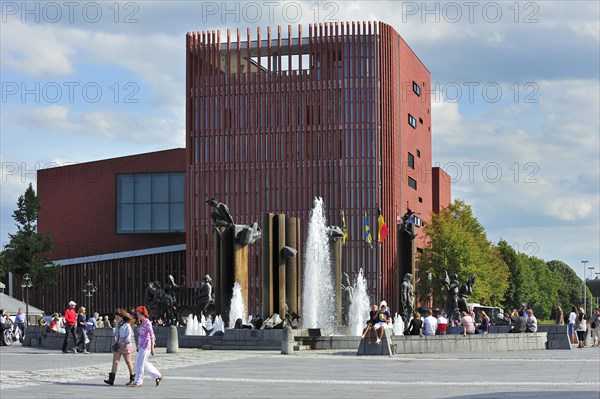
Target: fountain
[
  {"x": 398, "y": 325},
  {"x": 318, "y": 296},
  {"x": 359, "y": 308},
  {"x": 237, "y": 306}
]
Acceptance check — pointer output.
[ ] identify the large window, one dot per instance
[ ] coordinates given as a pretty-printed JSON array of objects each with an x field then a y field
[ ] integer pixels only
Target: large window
[
  {"x": 411, "y": 161},
  {"x": 151, "y": 203}
]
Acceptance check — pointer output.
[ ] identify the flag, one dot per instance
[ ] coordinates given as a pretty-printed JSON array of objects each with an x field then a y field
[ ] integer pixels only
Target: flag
[
  {"x": 382, "y": 230},
  {"x": 398, "y": 217},
  {"x": 368, "y": 237},
  {"x": 344, "y": 229}
]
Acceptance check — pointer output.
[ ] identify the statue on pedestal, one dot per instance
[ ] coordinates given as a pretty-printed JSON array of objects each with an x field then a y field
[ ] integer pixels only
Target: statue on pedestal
[
  {"x": 221, "y": 217},
  {"x": 408, "y": 224},
  {"x": 407, "y": 299},
  {"x": 347, "y": 296},
  {"x": 160, "y": 301}
]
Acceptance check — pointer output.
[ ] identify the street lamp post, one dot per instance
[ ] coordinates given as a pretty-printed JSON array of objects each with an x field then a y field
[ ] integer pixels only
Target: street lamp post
[
  {"x": 89, "y": 290},
  {"x": 26, "y": 284},
  {"x": 584, "y": 296}
]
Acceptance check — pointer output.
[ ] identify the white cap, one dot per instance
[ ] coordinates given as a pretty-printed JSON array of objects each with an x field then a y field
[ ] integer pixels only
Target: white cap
[
  {"x": 383, "y": 303},
  {"x": 72, "y": 303}
]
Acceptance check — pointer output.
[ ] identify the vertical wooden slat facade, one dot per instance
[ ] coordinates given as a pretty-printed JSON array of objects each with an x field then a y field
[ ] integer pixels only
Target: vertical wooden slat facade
[
  {"x": 268, "y": 130},
  {"x": 119, "y": 283}
]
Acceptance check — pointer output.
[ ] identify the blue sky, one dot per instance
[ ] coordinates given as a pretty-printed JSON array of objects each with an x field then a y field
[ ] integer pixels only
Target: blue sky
[{"x": 515, "y": 115}]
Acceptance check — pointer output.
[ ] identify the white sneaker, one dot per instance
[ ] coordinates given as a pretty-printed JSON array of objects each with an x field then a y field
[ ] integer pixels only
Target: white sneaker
[
  {"x": 378, "y": 341},
  {"x": 85, "y": 351},
  {"x": 75, "y": 350}
]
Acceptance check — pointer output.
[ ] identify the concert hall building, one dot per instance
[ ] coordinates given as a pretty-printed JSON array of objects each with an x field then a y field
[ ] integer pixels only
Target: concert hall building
[
  {"x": 341, "y": 111},
  {"x": 273, "y": 119}
]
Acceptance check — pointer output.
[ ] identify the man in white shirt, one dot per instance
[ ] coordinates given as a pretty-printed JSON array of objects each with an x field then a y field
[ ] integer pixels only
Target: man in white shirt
[
  {"x": 531, "y": 321},
  {"x": 430, "y": 323}
]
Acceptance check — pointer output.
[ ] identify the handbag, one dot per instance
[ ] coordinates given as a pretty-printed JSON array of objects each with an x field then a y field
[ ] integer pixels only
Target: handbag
[
  {"x": 594, "y": 325},
  {"x": 117, "y": 345}
]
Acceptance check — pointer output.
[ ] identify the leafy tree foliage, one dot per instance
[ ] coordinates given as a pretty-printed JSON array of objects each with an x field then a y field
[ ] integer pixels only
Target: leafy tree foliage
[
  {"x": 570, "y": 285},
  {"x": 458, "y": 243},
  {"x": 25, "y": 252}
]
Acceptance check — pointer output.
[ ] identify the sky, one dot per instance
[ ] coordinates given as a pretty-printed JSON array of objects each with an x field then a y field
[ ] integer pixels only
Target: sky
[{"x": 515, "y": 97}]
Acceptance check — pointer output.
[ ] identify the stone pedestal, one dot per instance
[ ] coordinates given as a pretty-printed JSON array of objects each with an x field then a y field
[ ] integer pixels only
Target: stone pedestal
[
  {"x": 232, "y": 265},
  {"x": 367, "y": 347},
  {"x": 281, "y": 281},
  {"x": 336, "y": 272},
  {"x": 405, "y": 261}
]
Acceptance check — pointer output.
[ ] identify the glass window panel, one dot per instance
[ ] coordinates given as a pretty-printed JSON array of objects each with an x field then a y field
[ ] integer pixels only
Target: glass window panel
[
  {"x": 160, "y": 187},
  {"x": 142, "y": 188},
  {"x": 142, "y": 217},
  {"x": 177, "y": 216},
  {"x": 160, "y": 217},
  {"x": 125, "y": 189},
  {"x": 125, "y": 218},
  {"x": 177, "y": 187}
]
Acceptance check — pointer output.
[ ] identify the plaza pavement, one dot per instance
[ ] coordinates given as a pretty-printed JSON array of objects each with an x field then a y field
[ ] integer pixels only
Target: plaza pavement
[{"x": 27, "y": 372}]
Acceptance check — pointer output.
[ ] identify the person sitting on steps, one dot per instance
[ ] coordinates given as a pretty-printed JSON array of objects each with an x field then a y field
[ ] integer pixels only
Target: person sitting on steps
[
  {"x": 383, "y": 319},
  {"x": 370, "y": 323}
]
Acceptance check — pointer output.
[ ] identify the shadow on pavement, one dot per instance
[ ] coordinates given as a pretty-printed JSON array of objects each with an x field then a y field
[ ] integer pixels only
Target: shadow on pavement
[{"x": 532, "y": 394}]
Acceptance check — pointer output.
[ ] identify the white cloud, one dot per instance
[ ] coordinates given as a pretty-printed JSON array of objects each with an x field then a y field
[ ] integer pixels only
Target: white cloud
[
  {"x": 61, "y": 121},
  {"x": 548, "y": 154},
  {"x": 39, "y": 50}
]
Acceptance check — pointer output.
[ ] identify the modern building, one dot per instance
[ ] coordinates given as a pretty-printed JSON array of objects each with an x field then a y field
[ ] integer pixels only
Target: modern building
[
  {"x": 341, "y": 111},
  {"x": 274, "y": 119},
  {"x": 117, "y": 224}
]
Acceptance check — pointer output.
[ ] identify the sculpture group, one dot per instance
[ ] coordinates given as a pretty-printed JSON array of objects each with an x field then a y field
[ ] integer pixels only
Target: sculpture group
[{"x": 232, "y": 240}]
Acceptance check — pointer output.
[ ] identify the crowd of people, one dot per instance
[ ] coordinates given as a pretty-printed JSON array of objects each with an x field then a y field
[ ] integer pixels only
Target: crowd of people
[{"x": 521, "y": 321}]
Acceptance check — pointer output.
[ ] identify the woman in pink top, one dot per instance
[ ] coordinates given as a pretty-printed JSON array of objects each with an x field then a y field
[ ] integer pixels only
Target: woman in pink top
[
  {"x": 467, "y": 322},
  {"x": 145, "y": 346}
]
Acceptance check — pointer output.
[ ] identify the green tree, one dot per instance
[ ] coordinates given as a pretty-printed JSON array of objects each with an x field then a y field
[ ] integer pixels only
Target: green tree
[
  {"x": 570, "y": 285},
  {"x": 27, "y": 248},
  {"x": 546, "y": 284},
  {"x": 458, "y": 243}
]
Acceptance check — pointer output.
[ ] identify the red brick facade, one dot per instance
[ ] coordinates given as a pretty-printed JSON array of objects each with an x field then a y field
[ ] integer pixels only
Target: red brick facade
[
  {"x": 78, "y": 205},
  {"x": 288, "y": 118}
]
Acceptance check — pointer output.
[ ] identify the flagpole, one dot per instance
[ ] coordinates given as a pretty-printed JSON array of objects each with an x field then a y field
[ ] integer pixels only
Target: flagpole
[{"x": 379, "y": 273}]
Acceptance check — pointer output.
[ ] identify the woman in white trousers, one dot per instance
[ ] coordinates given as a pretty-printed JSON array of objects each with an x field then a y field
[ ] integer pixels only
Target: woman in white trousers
[{"x": 145, "y": 346}]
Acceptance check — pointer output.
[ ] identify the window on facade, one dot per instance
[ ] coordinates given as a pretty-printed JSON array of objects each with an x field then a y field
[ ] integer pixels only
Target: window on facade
[
  {"x": 151, "y": 203},
  {"x": 411, "y": 161},
  {"x": 416, "y": 88},
  {"x": 412, "y": 121},
  {"x": 420, "y": 199},
  {"x": 421, "y": 121},
  {"x": 412, "y": 183},
  {"x": 418, "y": 154}
]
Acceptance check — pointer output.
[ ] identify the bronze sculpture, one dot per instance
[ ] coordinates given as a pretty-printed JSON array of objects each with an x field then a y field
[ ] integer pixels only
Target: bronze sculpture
[
  {"x": 347, "y": 297},
  {"x": 161, "y": 302},
  {"x": 206, "y": 298},
  {"x": 407, "y": 299}
]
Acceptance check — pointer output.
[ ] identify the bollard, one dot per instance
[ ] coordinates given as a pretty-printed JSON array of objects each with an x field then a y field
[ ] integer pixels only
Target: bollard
[
  {"x": 287, "y": 340},
  {"x": 172, "y": 340}
]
